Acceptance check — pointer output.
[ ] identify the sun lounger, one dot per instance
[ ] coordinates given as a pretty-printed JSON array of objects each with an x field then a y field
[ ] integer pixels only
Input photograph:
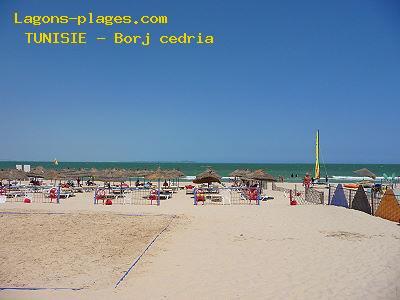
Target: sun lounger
[
  {"x": 165, "y": 196},
  {"x": 65, "y": 195},
  {"x": 189, "y": 189},
  {"x": 15, "y": 194},
  {"x": 214, "y": 198}
]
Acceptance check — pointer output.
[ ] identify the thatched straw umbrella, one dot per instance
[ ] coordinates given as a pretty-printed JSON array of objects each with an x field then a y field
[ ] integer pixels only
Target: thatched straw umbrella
[
  {"x": 240, "y": 173},
  {"x": 52, "y": 174},
  {"x": 94, "y": 173},
  {"x": 13, "y": 174},
  {"x": 137, "y": 173},
  {"x": 175, "y": 174},
  {"x": 208, "y": 176},
  {"x": 364, "y": 172},
  {"x": 74, "y": 174},
  {"x": 129, "y": 173},
  {"x": 67, "y": 174},
  {"x": 143, "y": 173},
  {"x": 158, "y": 175},
  {"x": 109, "y": 175},
  {"x": 236, "y": 173},
  {"x": 2, "y": 175},
  {"x": 37, "y": 172},
  {"x": 261, "y": 175},
  {"x": 81, "y": 173}
]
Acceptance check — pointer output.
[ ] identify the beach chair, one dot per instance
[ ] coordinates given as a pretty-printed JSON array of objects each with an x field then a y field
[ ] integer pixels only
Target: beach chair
[
  {"x": 53, "y": 194},
  {"x": 153, "y": 196},
  {"x": 252, "y": 195},
  {"x": 3, "y": 196},
  {"x": 200, "y": 196},
  {"x": 100, "y": 195},
  {"x": 189, "y": 189}
]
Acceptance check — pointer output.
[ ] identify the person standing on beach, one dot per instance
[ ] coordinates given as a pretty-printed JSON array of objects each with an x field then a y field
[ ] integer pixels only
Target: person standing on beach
[{"x": 307, "y": 181}]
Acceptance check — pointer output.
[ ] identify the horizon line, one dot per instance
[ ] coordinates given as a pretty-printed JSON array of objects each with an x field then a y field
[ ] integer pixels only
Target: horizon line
[{"x": 195, "y": 162}]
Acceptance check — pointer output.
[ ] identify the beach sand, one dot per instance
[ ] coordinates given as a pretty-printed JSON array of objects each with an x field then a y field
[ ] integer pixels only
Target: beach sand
[{"x": 272, "y": 251}]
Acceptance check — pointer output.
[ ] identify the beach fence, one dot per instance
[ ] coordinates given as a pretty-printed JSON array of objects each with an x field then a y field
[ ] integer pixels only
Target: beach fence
[
  {"x": 227, "y": 196},
  {"x": 279, "y": 188},
  {"x": 308, "y": 196},
  {"x": 32, "y": 195},
  {"x": 302, "y": 197},
  {"x": 131, "y": 196},
  {"x": 346, "y": 197}
]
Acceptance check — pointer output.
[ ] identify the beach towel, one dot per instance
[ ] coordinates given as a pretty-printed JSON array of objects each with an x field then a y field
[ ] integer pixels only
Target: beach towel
[
  {"x": 360, "y": 201},
  {"x": 389, "y": 208},
  {"x": 339, "y": 198}
]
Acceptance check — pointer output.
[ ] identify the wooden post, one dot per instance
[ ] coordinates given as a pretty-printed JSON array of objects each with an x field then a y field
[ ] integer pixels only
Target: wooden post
[
  {"x": 58, "y": 194},
  {"x": 350, "y": 201},
  {"x": 329, "y": 194},
  {"x": 372, "y": 203},
  {"x": 158, "y": 193},
  {"x": 95, "y": 196}
]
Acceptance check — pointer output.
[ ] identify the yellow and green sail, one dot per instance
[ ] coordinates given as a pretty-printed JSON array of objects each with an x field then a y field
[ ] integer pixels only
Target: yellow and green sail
[{"x": 317, "y": 175}]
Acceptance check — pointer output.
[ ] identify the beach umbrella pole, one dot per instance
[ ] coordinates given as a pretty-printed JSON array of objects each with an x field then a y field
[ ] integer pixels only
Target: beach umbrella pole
[{"x": 158, "y": 192}]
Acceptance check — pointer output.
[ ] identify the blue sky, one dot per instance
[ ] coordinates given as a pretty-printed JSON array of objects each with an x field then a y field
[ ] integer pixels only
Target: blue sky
[{"x": 278, "y": 71}]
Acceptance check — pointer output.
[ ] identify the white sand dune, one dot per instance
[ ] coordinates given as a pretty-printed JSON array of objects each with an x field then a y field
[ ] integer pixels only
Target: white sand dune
[{"x": 270, "y": 251}]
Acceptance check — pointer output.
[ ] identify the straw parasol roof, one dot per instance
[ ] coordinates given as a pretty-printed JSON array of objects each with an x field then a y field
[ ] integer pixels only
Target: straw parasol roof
[
  {"x": 108, "y": 175},
  {"x": 13, "y": 174},
  {"x": 37, "y": 172},
  {"x": 158, "y": 174},
  {"x": 240, "y": 173},
  {"x": 66, "y": 174},
  {"x": 74, "y": 173},
  {"x": 261, "y": 175},
  {"x": 364, "y": 172},
  {"x": 208, "y": 176},
  {"x": 138, "y": 173},
  {"x": 174, "y": 173},
  {"x": 2, "y": 174},
  {"x": 131, "y": 173},
  {"x": 144, "y": 172},
  {"x": 81, "y": 173},
  {"x": 52, "y": 174},
  {"x": 94, "y": 172}
]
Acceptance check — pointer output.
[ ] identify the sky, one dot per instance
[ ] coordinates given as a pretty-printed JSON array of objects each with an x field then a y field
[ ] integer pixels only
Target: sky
[{"x": 277, "y": 72}]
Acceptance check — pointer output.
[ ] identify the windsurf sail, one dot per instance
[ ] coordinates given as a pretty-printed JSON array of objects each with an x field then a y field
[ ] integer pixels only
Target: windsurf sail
[
  {"x": 55, "y": 162},
  {"x": 317, "y": 174}
]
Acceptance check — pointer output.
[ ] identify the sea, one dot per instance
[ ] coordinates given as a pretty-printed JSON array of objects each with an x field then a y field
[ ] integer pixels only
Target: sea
[{"x": 292, "y": 172}]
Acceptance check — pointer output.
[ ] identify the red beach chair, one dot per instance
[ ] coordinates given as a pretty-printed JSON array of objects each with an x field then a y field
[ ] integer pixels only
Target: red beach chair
[
  {"x": 100, "y": 195},
  {"x": 200, "y": 196},
  {"x": 53, "y": 194},
  {"x": 153, "y": 196},
  {"x": 252, "y": 195}
]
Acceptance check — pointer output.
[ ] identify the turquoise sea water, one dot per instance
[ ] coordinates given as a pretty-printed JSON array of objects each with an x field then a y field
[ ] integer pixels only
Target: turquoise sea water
[{"x": 191, "y": 169}]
